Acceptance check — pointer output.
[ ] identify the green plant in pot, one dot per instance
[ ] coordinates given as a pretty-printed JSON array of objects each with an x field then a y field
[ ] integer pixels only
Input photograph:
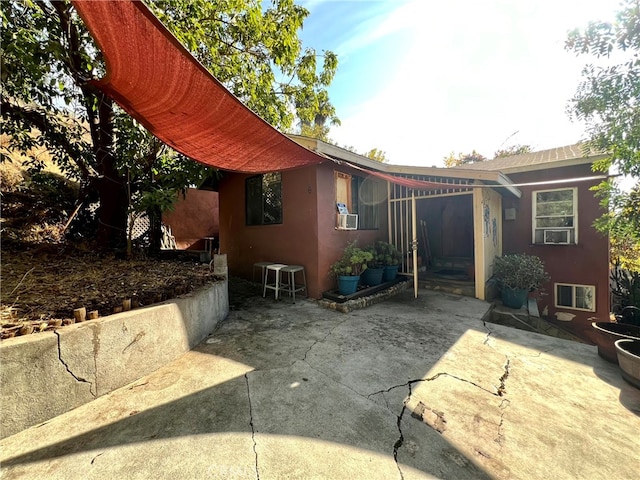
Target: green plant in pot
[
  {"x": 374, "y": 272},
  {"x": 390, "y": 257},
  {"x": 518, "y": 274},
  {"x": 349, "y": 266}
]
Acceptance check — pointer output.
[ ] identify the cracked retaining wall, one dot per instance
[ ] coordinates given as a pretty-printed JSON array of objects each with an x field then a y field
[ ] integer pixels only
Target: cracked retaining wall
[{"x": 49, "y": 373}]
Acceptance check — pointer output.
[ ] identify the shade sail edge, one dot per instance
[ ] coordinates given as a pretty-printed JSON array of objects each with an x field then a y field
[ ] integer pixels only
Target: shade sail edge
[{"x": 150, "y": 74}]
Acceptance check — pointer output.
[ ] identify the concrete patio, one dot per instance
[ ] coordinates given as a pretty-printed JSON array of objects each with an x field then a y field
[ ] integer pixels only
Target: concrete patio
[{"x": 402, "y": 389}]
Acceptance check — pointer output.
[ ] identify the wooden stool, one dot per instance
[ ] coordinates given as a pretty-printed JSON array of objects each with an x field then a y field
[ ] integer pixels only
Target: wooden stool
[
  {"x": 275, "y": 286},
  {"x": 289, "y": 284}
]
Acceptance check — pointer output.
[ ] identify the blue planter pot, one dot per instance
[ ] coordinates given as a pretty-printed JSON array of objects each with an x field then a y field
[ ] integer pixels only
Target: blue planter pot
[
  {"x": 372, "y": 276},
  {"x": 514, "y": 298},
  {"x": 390, "y": 272},
  {"x": 348, "y": 284}
]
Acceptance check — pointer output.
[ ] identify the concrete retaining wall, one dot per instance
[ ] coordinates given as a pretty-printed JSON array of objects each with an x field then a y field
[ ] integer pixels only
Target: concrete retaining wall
[{"x": 46, "y": 374}]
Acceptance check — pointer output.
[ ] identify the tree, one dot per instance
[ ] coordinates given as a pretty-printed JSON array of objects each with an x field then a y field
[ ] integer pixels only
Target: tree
[
  {"x": 516, "y": 149},
  {"x": 47, "y": 57},
  {"x": 608, "y": 101},
  {"x": 462, "y": 159},
  {"x": 377, "y": 155}
]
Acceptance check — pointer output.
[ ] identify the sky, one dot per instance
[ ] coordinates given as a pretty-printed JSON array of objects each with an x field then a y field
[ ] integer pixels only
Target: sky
[{"x": 420, "y": 79}]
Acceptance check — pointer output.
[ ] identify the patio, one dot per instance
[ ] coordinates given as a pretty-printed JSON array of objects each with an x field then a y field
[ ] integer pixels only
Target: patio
[{"x": 406, "y": 388}]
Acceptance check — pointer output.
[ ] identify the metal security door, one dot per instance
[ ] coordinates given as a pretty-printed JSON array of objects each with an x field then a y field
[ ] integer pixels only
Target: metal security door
[{"x": 403, "y": 234}]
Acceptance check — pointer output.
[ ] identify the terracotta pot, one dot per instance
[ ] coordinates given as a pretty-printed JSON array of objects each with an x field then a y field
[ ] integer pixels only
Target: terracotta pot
[
  {"x": 629, "y": 359},
  {"x": 608, "y": 334}
]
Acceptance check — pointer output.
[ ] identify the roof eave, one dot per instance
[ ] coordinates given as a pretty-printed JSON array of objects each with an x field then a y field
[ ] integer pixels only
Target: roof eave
[{"x": 570, "y": 162}]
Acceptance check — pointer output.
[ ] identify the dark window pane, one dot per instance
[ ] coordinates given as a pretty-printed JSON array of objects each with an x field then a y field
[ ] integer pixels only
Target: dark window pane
[
  {"x": 564, "y": 295},
  {"x": 264, "y": 199}
]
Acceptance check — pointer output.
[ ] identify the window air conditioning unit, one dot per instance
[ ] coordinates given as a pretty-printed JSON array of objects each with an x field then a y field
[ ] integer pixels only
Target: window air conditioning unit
[
  {"x": 347, "y": 221},
  {"x": 557, "y": 237}
]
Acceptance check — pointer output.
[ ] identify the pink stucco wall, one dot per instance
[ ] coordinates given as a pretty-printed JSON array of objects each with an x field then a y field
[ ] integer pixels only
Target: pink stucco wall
[
  {"x": 307, "y": 235},
  {"x": 195, "y": 216}
]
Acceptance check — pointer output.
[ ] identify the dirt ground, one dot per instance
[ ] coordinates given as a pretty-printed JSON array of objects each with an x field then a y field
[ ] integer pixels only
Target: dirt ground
[{"x": 42, "y": 286}]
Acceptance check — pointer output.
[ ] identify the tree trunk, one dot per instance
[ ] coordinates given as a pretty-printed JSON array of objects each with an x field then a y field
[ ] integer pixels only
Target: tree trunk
[
  {"x": 155, "y": 230},
  {"x": 112, "y": 214}
]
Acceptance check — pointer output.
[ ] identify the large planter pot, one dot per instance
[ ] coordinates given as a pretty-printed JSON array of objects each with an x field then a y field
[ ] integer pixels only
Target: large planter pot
[
  {"x": 609, "y": 333},
  {"x": 348, "y": 284},
  {"x": 628, "y": 352},
  {"x": 513, "y": 297},
  {"x": 390, "y": 273},
  {"x": 372, "y": 276}
]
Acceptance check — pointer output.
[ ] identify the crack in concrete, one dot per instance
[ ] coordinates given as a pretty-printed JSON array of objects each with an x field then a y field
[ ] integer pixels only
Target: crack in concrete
[
  {"x": 400, "y": 440},
  {"x": 94, "y": 458},
  {"x": 504, "y": 404},
  {"x": 334, "y": 380},
  {"x": 503, "y": 379},
  {"x": 253, "y": 431},
  {"x": 304, "y": 358},
  {"x": 79, "y": 379}
]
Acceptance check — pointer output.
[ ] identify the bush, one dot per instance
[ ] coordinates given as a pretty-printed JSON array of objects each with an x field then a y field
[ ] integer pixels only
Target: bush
[
  {"x": 352, "y": 262},
  {"x": 520, "y": 271}
]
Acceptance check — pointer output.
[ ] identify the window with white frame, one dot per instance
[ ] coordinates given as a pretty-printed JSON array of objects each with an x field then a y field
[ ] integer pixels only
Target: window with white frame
[
  {"x": 555, "y": 216},
  {"x": 576, "y": 297}
]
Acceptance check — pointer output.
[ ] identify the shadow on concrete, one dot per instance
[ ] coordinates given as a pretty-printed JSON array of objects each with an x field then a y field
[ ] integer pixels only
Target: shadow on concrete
[
  {"x": 286, "y": 400},
  {"x": 314, "y": 380}
]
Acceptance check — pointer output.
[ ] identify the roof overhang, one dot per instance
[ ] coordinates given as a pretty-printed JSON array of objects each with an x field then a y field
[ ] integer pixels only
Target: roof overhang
[
  {"x": 569, "y": 162},
  {"x": 490, "y": 179}
]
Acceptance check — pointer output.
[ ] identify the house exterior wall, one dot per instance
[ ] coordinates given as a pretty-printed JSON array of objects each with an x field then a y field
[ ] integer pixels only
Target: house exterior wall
[
  {"x": 332, "y": 241},
  {"x": 586, "y": 263},
  {"x": 307, "y": 235},
  {"x": 487, "y": 220},
  {"x": 195, "y": 216}
]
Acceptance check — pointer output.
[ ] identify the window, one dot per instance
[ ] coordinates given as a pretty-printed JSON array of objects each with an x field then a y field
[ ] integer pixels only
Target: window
[
  {"x": 555, "y": 216},
  {"x": 264, "y": 199},
  {"x": 361, "y": 196},
  {"x": 366, "y": 196},
  {"x": 577, "y": 297}
]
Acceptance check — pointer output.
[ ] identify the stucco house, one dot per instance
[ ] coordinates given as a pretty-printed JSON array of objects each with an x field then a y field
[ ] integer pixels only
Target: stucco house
[
  {"x": 460, "y": 219},
  {"x": 278, "y": 198},
  {"x": 553, "y": 219},
  {"x": 292, "y": 217}
]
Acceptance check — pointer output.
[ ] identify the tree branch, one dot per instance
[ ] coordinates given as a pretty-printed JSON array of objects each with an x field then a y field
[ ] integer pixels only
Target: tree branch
[{"x": 48, "y": 128}]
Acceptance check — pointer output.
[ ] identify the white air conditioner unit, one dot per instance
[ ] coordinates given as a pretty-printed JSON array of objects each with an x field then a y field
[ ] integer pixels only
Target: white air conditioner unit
[
  {"x": 557, "y": 237},
  {"x": 347, "y": 221}
]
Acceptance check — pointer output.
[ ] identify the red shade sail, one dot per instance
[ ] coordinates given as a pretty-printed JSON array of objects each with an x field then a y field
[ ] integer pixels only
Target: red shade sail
[{"x": 158, "y": 82}]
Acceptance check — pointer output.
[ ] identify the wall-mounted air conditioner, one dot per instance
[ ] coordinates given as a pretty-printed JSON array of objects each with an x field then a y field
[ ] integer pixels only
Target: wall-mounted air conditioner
[
  {"x": 347, "y": 221},
  {"x": 557, "y": 237}
]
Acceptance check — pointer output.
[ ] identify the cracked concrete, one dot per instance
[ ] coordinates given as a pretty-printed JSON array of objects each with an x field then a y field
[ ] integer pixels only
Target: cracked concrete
[
  {"x": 66, "y": 366},
  {"x": 405, "y": 389},
  {"x": 253, "y": 431}
]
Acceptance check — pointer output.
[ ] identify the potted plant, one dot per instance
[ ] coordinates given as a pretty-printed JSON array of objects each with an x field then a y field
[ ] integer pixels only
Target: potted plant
[
  {"x": 628, "y": 352},
  {"x": 374, "y": 272},
  {"x": 349, "y": 266},
  {"x": 625, "y": 286},
  {"x": 518, "y": 274},
  {"x": 390, "y": 258}
]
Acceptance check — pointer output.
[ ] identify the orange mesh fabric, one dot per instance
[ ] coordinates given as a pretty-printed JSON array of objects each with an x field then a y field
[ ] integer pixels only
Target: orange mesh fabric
[{"x": 157, "y": 81}]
